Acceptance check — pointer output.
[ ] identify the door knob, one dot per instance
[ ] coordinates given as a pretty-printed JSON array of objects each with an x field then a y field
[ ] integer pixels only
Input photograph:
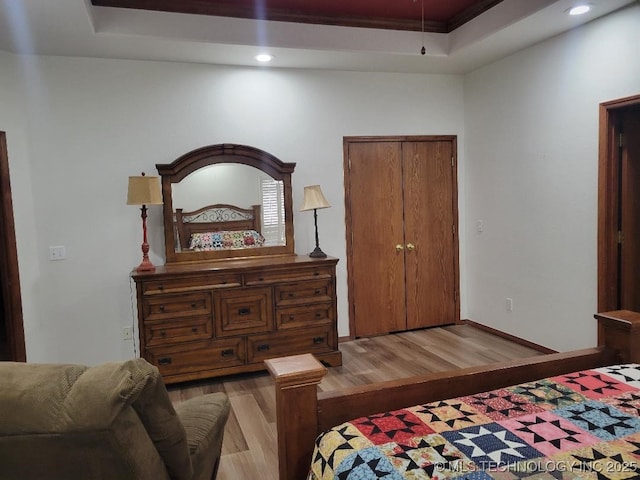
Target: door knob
[
  {"x": 399, "y": 248},
  {"x": 410, "y": 246}
]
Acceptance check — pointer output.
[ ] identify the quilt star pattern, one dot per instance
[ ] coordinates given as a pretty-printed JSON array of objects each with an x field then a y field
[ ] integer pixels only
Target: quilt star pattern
[{"x": 582, "y": 425}]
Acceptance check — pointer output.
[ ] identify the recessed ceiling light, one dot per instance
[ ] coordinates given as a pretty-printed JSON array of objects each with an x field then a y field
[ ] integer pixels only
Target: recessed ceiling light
[
  {"x": 264, "y": 57},
  {"x": 579, "y": 9}
]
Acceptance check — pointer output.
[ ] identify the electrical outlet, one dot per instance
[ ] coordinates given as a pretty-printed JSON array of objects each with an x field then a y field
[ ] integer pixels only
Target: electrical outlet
[
  {"x": 127, "y": 333},
  {"x": 508, "y": 304},
  {"x": 57, "y": 253}
]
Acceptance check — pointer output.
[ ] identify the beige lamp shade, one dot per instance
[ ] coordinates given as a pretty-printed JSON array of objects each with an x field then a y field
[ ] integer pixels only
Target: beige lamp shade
[
  {"x": 313, "y": 198},
  {"x": 144, "y": 190}
]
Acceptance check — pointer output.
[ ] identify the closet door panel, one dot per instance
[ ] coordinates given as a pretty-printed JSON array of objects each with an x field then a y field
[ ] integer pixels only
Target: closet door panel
[
  {"x": 375, "y": 195},
  {"x": 429, "y": 229}
]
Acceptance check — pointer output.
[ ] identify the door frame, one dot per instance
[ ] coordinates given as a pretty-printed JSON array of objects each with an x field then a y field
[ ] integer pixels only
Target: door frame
[
  {"x": 608, "y": 193},
  {"x": 9, "y": 274},
  {"x": 346, "y": 141}
]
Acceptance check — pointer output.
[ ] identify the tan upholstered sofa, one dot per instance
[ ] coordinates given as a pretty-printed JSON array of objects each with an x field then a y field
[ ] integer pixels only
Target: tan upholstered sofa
[{"x": 112, "y": 421}]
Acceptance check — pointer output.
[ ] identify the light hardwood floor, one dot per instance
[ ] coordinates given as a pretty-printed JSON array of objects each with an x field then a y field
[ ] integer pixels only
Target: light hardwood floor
[{"x": 249, "y": 450}]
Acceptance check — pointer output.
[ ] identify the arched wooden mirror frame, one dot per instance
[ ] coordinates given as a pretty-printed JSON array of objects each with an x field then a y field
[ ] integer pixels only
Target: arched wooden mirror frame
[{"x": 217, "y": 154}]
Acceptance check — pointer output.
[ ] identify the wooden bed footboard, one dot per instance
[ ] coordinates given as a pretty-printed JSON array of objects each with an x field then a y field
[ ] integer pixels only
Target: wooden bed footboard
[{"x": 303, "y": 412}]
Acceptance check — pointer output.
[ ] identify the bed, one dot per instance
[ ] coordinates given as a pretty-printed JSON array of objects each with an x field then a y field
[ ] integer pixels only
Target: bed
[
  {"x": 329, "y": 434},
  {"x": 219, "y": 227}
]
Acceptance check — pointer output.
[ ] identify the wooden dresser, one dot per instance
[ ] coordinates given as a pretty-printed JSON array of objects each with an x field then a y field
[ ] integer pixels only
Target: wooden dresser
[{"x": 218, "y": 318}]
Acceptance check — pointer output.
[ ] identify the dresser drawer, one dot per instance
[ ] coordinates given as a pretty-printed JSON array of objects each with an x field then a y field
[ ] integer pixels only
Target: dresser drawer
[
  {"x": 242, "y": 311},
  {"x": 197, "y": 356},
  {"x": 188, "y": 284},
  {"x": 170, "y": 306},
  {"x": 310, "y": 340},
  {"x": 304, "y": 316},
  {"x": 304, "y": 292},
  {"x": 294, "y": 275},
  {"x": 174, "y": 331}
]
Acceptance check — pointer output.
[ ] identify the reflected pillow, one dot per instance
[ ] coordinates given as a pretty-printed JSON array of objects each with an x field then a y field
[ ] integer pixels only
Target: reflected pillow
[{"x": 225, "y": 239}]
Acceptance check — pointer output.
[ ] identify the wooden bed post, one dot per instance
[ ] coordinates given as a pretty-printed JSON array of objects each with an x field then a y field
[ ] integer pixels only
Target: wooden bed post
[
  {"x": 620, "y": 330},
  {"x": 297, "y": 378}
]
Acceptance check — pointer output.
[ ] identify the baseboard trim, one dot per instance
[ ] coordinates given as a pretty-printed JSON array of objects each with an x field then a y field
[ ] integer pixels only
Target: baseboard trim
[{"x": 512, "y": 338}]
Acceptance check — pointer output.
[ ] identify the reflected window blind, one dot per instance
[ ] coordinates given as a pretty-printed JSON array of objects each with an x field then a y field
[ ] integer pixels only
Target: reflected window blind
[{"x": 272, "y": 211}]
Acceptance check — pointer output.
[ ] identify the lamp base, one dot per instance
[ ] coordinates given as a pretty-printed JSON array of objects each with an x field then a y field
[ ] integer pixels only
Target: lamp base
[
  {"x": 145, "y": 266},
  {"x": 317, "y": 253}
]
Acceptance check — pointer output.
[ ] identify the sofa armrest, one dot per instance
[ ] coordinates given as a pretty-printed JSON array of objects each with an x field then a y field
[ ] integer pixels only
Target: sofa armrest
[{"x": 204, "y": 418}]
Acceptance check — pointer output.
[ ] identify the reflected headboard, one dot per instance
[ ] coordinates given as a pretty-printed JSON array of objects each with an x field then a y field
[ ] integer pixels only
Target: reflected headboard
[{"x": 215, "y": 218}]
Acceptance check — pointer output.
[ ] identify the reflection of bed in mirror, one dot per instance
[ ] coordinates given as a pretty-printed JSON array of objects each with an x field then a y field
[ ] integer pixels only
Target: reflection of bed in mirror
[{"x": 219, "y": 227}]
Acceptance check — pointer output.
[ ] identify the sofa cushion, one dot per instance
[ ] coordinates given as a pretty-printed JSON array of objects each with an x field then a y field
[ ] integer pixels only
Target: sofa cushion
[
  {"x": 65, "y": 399},
  {"x": 204, "y": 418},
  {"x": 36, "y": 395},
  {"x": 156, "y": 411}
]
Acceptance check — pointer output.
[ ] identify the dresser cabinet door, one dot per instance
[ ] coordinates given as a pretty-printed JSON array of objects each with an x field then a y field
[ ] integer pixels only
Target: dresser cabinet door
[{"x": 243, "y": 311}]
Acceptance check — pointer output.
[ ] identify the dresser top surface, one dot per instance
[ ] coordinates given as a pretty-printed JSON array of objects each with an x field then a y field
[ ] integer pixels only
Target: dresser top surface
[{"x": 221, "y": 266}]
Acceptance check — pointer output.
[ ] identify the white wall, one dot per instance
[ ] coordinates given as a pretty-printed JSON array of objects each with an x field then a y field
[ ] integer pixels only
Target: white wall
[
  {"x": 77, "y": 128},
  {"x": 531, "y": 166},
  {"x": 527, "y": 135},
  {"x": 13, "y": 121}
]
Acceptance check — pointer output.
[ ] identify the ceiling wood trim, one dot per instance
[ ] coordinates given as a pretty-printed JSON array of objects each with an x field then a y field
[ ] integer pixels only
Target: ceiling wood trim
[
  {"x": 223, "y": 9},
  {"x": 470, "y": 13}
]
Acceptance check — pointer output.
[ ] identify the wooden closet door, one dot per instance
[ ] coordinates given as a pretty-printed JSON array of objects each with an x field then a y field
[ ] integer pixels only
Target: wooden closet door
[
  {"x": 429, "y": 233},
  {"x": 377, "y": 283}
]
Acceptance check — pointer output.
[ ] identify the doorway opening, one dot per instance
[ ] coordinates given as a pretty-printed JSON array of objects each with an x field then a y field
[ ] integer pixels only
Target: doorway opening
[
  {"x": 619, "y": 205},
  {"x": 12, "y": 345}
]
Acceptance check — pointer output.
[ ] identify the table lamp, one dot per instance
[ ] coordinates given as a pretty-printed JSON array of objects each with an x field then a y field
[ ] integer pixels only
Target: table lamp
[{"x": 144, "y": 191}]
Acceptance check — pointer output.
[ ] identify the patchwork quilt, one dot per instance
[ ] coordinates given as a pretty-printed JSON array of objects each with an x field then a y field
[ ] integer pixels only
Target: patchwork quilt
[
  {"x": 583, "y": 425},
  {"x": 225, "y": 239}
]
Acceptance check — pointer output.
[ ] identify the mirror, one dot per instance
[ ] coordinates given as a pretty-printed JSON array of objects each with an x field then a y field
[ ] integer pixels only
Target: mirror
[
  {"x": 230, "y": 184},
  {"x": 226, "y": 201}
]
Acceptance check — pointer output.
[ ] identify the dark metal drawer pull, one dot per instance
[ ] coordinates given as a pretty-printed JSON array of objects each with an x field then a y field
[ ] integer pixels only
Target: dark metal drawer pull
[
  {"x": 263, "y": 347},
  {"x": 291, "y": 294},
  {"x": 164, "y": 361},
  {"x": 318, "y": 340},
  {"x": 163, "y": 333},
  {"x": 244, "y": 311},
  {"x": 161, "y": 307},
  {"x": 193, "y": 305},
  {"x": 316, "y": 273},
  {"x": 227, "y": 353},
  {"x": 317, "y": 292},
  {"x": 318, "y": 314},
  {"x": 160, "y": 287},
  {"x": 194, "y": 329}
]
